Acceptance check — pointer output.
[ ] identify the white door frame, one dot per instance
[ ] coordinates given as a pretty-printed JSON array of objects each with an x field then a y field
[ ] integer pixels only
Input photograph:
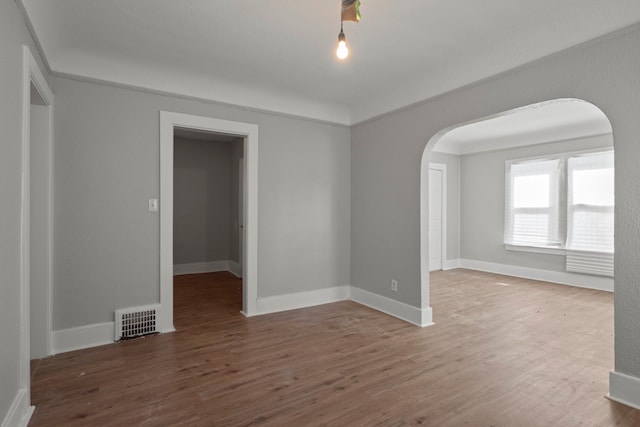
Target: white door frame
[
  {"x": 169, "y": 121},
  {"x": 240, "y": 218},
  {"x": 32, "y": 75},
  {"x": 443, "y": 248}
]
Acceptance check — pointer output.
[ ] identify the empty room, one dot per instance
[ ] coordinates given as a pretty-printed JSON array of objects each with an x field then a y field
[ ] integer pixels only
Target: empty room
[{"x": 319, "y": 213}]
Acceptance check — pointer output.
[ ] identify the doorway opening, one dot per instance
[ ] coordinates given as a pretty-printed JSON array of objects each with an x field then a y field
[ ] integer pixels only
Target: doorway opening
[
  {"x": 207, "y": 220},
  {"x": 476, "y": 155},
  {"x": 247, "y": 133}
]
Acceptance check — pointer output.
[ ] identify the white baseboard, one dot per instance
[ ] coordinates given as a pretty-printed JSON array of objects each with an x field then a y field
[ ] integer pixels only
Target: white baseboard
[
  {"x": 20, "y": 411},
  {"x": 624, "y": 389},
  {"x": 450, "y": 264},
  {"x": 200, "y": 267},
  {"x": 573, "y": 279},
  {"x": 408, "y": 313},
  {"x": 234, "y": 268},
  {"x": 82, "y": 337},
  {"x": 301, "y": 300}
]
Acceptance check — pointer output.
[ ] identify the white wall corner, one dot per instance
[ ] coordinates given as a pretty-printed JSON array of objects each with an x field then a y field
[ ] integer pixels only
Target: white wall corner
[
  {"x": 201, "y": 267},
  {"x": 450, "y": 264},
  {"x": 82, "y": 337},
  {"x": 20, "y": 411},
  {"x": 417, "y": 316},
  {"x": 235, "y": 269},
  {"x": 599, "y": 283},
  {"x": 297, "y": 300},
  {"x": 624, "y": 389}
]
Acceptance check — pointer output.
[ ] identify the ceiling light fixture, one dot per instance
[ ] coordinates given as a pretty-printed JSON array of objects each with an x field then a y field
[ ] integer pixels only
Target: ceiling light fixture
[
  {"x": 342, "y": 52},
  {"x": 350, "y": 12}
]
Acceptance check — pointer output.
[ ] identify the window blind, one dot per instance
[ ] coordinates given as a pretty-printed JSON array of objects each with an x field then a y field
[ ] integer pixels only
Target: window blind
[
  {"x": 590, "y": 213},
  {"x": 532, "y": 203}
]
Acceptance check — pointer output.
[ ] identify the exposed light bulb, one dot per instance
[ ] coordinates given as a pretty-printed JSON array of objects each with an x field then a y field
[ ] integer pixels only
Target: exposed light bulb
[{"x": 342, "y": 52}]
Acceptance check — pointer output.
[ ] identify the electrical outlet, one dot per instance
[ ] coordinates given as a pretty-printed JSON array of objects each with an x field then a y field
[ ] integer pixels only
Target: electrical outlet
[{"x": 394, "y": 285}]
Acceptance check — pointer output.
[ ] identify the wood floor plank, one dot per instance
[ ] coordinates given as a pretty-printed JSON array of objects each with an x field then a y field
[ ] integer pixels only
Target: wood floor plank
[{"x": 503, "y": 352}]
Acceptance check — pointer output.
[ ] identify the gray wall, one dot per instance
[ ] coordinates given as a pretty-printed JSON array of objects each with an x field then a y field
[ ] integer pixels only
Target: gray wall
[
  {"x": 106, "y": 167},
  {"x": 237, "y": 153},
  {"x": 482, "y": 203},
  {"x": 386, "y": 159},
  {"x": 13, "y": 35},
  {"x": 453, "y": 202},
  {"x": 201, "y": 201}
]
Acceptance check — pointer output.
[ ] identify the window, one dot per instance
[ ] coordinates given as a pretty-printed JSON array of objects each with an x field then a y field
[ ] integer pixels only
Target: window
[
  {"x": 565, "y": 202},
  {"x": 590, "y": 203},
  {"x": 533, "y": 204}
]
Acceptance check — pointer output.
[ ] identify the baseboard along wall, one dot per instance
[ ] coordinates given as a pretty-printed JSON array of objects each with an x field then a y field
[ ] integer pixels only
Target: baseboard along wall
[
  {"x": 298, "y": 300},
  {"x": 102, "y": 333},
  {"x": 20, "y": 411},
  {"x": 205, "y": 267},
  {"x": 624, "y": 389},
  {"x": 82, "y": 337},
  {"x": 418, "y": 316},
  {"x": 600, "y": 283}
]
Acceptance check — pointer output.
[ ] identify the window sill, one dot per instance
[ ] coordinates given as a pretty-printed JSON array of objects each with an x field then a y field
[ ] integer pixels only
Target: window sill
[{"x": 536, "y": 249}]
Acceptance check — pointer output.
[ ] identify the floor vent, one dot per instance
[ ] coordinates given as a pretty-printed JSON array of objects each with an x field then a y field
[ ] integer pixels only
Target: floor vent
[{"x": 136, "y": 321}]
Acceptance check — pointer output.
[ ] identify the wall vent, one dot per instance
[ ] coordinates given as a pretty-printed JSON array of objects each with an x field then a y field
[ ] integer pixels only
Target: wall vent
[{"x": 136, "y": 321}]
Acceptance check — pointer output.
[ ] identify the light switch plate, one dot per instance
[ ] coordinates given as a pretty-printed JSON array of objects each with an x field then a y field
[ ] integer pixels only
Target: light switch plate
[{"x": 153, "y": 205}]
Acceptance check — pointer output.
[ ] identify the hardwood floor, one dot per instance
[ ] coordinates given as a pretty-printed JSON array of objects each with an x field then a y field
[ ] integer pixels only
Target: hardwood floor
[{"x": 503, "y": 352}]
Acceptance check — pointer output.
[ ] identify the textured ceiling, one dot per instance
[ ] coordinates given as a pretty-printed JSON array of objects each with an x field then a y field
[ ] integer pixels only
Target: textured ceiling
[{"x": 279, "y": 55}]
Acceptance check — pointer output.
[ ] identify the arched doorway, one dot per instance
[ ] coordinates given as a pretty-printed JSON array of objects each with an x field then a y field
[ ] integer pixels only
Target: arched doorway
[{"x": 563, "y": 125}]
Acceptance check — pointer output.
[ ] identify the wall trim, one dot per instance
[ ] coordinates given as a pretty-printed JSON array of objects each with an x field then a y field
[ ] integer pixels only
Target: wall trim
[
  {"x": 304, "y": 299},
  {"x": 572, "y": 279},
  {"x": 443, "y": 211},
  {"x": 450, "y": 264},
  {"x": 235, "y": 269},
  {"x": 98, "y": 334},
  {"x": 20, "y": 411},
  {"x": 83, "y": 337},
  {"x": 201, "y": 267},
  {"x": 420, "y": 317},
  {"x": 624, "y": 389}
]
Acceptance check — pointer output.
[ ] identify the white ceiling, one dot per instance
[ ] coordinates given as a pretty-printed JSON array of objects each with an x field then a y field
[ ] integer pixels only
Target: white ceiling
[
  {"x": 278, "y": 55},
  {"x": 550, "y": 121}
]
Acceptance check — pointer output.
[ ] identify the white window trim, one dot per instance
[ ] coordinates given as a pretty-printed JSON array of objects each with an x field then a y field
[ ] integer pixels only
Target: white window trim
[
  {"x": 536, "y": 249},
  {"x": 561, "y": 250}
]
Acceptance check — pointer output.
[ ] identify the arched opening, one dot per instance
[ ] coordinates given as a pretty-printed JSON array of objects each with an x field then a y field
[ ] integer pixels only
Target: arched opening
[{"x": 475, "y": 204}]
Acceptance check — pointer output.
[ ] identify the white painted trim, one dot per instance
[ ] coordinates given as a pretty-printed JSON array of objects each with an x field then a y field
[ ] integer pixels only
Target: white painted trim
[
  {"x": 83, "y": 337},
  {"x": 579, "y": 280},
  {"x": 31, "y": 74},
  {"x": 103, "y": 333},
  {"x": 36, "y": 77},
  {"x": 420, "y": 317},
  {"x": 624, "y": 389},
  {"x": 235, "y": 269},
  {"x": 424, "y": 316},
  {"x": 443, "y": 247},
  {"x": 168, "y": 121},
  {"x": 298, "y": 300},
  {"x": 450, "y": 264},
  {"x": 201, "y": 267},
  {"x": 25, "y": 221},
  {"x": 535, "y": 249},
  {"x": 424, "y": 230},
  {"x": 20, "y": 412}
]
